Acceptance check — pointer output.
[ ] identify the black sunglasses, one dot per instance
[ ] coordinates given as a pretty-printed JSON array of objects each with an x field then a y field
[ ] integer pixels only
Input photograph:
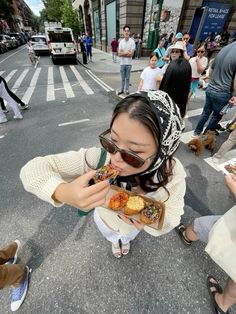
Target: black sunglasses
[{"x": 130, "y": 158}]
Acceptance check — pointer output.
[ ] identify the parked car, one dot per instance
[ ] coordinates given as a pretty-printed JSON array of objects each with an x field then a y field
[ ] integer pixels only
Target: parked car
[
  {"x": 3, "y": 47},
  {"x": 18, "y": 37},
  {"x": 39, "y": 44},
  {"x": 8, "y": 41}
]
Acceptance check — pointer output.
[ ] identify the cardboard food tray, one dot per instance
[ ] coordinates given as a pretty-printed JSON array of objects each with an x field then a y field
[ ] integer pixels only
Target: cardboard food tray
[
  {"x": 229, "y": 162},
  {"x": 157, "y": 225}
]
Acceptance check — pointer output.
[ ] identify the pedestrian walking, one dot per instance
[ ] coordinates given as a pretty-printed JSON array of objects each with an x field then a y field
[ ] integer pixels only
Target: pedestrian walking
[
  {"x": 114, "y": 47},
  {"x": 144, "y": 134},
  {"x": 226, "y": 146},
  {"x": 12, "y": 275},
  {"x": 188, "y": 47},
  {"x": 12, "y": 100},
  {"x": 219, "y": 234},
  {"x": 89, "y": 44},
  {"x": 176, "y": 83},
  {"x": 175, "y": 52},
  {"x": 125, "y": 51},
  {"x": 138, "y": 48},
  {"x": 221, "y": 89},
  {"x": 160, "y": 53},
  {"x": 198, "y": 64},
  {"x": 149, "y": 76}
]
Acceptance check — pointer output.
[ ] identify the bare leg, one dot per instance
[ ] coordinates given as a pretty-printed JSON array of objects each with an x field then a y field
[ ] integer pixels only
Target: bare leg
[{"x": 190, "y": 234}]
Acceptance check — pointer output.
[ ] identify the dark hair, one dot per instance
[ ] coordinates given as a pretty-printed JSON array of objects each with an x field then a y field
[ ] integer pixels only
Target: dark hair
[
  {"x": 126, "y": 26},
  {"x": 141, "y": 109},
  {"x": 186, "y": 33},
  {"x": 176, "y": 83},
  {"x": 153, "y": 54}
]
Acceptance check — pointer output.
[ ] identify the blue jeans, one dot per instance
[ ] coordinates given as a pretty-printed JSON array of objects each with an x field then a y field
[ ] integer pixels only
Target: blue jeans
[
  {"x": 215, "y": 101},
  {"x": 125, "y": 75}
]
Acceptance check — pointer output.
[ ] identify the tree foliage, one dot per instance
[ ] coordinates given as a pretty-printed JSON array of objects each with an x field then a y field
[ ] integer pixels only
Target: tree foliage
[
  {"x": 52, "y": 10},
  {"x": 70, "y": 17}
]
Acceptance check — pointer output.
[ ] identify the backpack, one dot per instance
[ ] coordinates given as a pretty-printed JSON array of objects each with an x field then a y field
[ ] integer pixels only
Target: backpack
[{"x": 101, "y": 162}]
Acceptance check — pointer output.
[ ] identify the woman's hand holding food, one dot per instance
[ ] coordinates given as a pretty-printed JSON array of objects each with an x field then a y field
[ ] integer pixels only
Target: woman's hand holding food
[
  {"x": 130, "y": 221},
  {"x": 79, "y": 194}
]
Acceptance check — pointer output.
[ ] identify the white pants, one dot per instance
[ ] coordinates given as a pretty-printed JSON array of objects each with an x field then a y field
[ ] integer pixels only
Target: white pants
[
  {"x": 111, "y": 235},
  {"x": 10, "y": 101}
]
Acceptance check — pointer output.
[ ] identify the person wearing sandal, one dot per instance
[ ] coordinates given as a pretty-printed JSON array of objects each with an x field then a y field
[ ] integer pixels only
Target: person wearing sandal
[
  {"x": 219, "y": 232},
  {"x": 144, "y": 134}
]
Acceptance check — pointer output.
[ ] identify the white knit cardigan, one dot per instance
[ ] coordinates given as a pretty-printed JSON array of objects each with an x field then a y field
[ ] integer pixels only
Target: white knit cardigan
[{"x": 42, "y": 175}]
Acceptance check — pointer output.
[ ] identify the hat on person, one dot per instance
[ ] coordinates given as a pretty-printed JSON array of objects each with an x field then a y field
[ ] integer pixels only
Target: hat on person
[
  {"x": 179, "y": 35},
  {"x": 178, "y": 45}
]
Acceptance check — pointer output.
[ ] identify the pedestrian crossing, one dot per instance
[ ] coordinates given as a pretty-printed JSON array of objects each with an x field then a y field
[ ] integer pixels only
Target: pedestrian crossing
[{"x": 25, "y": 82}]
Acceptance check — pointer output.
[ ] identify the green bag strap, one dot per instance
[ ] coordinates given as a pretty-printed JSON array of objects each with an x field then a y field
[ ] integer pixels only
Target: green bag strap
[{"x": 101, "y": 162}]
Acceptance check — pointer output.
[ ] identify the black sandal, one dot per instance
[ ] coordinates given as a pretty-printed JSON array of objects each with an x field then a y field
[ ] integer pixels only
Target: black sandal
[
  {"x": 214, "y": 306},
  {"x": 180, "y": 229}
]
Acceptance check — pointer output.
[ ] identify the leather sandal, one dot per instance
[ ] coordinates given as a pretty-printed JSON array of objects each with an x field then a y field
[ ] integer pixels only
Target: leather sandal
[
  {"x": 116, "y": 250},
  {"x": 125, "y": 248},
  {"x": 214, "y": 306},
  {"x": 180, "y": 229}
]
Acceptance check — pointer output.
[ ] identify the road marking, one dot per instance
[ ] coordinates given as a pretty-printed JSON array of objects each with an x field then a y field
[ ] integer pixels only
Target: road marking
[
  {"x": 193, "y": 113},
  {"x": 67, "y": 87},
  {"x": 31, "y": 88},
  {"x": 81, "y": 81},
  {"x": 1, "y": 72},
  {"x": 19, "y": 80},
  {"x": 7, "y": 79},
  {"x": 50, "y": 87},
  {"x": 99, "y": 81},
  {"x": 2, "y": 136},
  {"x": 73, "y": 122},
  {"x": 12, "y": 54}
]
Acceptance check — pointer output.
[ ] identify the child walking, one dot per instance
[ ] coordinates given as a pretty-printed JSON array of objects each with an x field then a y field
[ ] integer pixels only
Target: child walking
[
  {"x": 149, "y": 76},
  {"x": 144, "y": 134}
]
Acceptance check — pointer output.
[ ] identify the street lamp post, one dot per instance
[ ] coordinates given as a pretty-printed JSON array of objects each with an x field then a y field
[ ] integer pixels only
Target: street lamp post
[{"x": 157, "y": 24}]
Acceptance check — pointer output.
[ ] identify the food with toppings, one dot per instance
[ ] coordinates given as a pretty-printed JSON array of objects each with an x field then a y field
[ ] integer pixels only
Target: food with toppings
[
  {"x": 104, "y": 173},
  {"x": 150, "y": 214},
  {"x": 134, "y": 205},
  {"x": 118, "y": 200},
  {"x": 231, "y": 168}
]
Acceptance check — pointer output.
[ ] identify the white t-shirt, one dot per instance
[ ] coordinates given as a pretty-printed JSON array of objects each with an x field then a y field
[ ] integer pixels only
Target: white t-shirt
[
  {"x": 203, "y": 62},
  {"x": 149, "y": 77},
  {"x": 126, "y": 45}
]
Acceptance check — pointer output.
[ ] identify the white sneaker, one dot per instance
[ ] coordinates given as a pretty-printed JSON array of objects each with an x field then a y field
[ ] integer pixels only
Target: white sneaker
[
  {"x": 3, "y": 120},
  {"x": 18, "y": 117},
  {"x": 195, "y": 135}
]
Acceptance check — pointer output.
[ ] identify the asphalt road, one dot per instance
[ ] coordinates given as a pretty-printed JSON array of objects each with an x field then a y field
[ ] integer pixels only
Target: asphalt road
[{"x": 73, "y": 270}]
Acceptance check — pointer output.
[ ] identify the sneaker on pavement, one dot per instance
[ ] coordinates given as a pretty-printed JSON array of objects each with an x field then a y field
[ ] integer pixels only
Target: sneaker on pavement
[
  {"x": 127, "y": 92},
  {"x": 13, "y": 259},
  {"x": 3, "y": 120},
  {"x": 18, "y": 117},
  {"x": 24, "y": 107},
  {"x": 195, "y": 135},
  {"x": 18, "y": 294},
  {"x": 120, "y": 92}
]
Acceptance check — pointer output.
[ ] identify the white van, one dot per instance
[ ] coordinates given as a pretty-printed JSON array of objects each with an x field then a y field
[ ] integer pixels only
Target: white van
[{"x": 60, "y": 41}]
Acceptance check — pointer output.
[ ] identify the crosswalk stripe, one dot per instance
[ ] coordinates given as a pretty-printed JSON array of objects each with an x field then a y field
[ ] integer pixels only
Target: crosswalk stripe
[
  {"x": 81, "y": 81},
  {"x": 31, "y": 88},
  {"x": 98, "y": 80},
  {"x": 229, "y": 155},
  {"x": 1, "y": 72},
  {"x": 67, "y": 87},
  {"x": 193, "y": 113},
  {"x": 10, "y": 75},
  {"x": 50, "y": 87},
  {"x": 19, "y": 80}
]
